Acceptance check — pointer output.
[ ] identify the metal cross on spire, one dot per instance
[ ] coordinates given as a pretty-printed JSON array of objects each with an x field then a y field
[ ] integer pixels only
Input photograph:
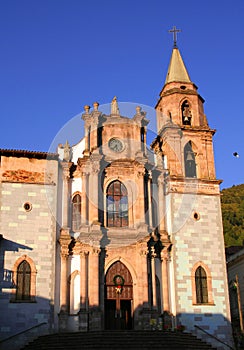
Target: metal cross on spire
[{"x": 175, "y": 31}]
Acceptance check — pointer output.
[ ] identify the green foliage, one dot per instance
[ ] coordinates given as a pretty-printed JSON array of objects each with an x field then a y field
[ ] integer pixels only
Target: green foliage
[{"x": 232, "y": 203}]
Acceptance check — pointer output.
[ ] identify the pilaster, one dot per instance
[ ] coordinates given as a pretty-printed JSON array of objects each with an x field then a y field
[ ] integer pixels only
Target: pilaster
[
  {"x": 153, "y": 276},
  {"x": 83, "y": 313},
  {"x": 66, "y": 192},
  {"x": 95, "y": 315},
  {"x": 161, "y": 204},
  {"x": 64, "y": 242},
  {"x": 164, "y": 255}
]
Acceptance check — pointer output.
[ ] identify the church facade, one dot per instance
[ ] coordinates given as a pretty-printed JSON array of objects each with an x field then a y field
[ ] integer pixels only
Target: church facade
[{"x": 107, "y": 234}]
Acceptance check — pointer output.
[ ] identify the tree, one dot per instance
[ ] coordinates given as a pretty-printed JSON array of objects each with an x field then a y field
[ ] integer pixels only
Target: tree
[{"x": 232, "y": 203}]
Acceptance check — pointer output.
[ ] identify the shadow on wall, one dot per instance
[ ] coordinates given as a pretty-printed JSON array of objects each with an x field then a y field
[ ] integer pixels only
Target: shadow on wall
[
  {"x": 35, "y": 318},
  {"x": 17, "y": 317},
  {"x": 27, "y": 321},
  {"x": 6, "y": 276},
  {"x": 212, "y": 328},
  {"x": 23, "y": 322}
]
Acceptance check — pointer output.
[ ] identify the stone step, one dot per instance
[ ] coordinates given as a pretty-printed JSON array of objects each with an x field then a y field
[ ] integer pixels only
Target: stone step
[{"x": 116, "y": 340}]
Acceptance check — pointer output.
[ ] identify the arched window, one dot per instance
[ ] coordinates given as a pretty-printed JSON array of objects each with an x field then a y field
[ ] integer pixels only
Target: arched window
[
  {"x": 201, "y": 286},
  {"x": 202, "y": 291},
  {"x": 190, "y": 163},
  {"x": 117, "y": 205},
  {"x": 76, "y": 212},
  {"x": 186, "y": 113},
  {"x": 24, "y": 278},
  {"x": 23, "y": 287}
]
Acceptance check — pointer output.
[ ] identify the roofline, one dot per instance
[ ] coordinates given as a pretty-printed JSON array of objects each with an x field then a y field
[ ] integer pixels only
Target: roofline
[
  {"x": 28, "y": 154},
  {"x": 234, "y": 256}
]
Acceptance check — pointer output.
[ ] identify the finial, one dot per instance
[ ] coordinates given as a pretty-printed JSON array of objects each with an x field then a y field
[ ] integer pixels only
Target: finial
[
  {"x": 138, "y": 110},
  {"x": 87, "y": 108},
  {"x": 174, "y": 30},
  {"x": 95, "y": 106},
  {"x": 67, "y": 151}
]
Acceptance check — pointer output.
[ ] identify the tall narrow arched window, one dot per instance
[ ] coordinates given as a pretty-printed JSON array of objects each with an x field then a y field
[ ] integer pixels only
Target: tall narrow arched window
[
  {"x": 201, "y": 286},
  {"x": 117, "y": 205},
  {"x": 76, "y": 212},
  {"x": 23, "y": 281},
  {"x": 190, "y": 162}
]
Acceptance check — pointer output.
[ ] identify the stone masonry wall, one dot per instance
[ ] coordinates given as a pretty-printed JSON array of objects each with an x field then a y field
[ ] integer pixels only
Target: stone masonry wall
[
  {"x": 195, "y": 240},
  {"x": 27, "y": 233}
]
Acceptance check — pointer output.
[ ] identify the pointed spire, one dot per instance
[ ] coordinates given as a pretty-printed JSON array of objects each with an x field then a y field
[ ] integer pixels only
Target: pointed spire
[{"x": 177, "y": 71}]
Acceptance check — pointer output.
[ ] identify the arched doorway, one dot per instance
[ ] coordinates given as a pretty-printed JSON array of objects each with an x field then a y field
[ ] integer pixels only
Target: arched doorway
[{"x": 118, "y": 297}]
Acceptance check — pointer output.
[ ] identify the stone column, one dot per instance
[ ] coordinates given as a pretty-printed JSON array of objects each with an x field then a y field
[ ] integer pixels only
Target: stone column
[
  {"x": 154, "y": 289},
  {"x": 140, "y": 204},
  {"x": 161, "y": 206},
  {"x": 64, "y": 241},
  {"x": 94, "y": 277},
  {"x": 149, "y": 183},
  {"x": 209, "y": 158},
  {"x": 83, "y": 280},
  {"x": 94, "y": 189},
  {"x": 144, "y": 277},
  {"x": 83, "y": 314},
  {"x": 94, "y": 126},
  {"x": 175, "y": 160},
  {"x": 142, "y": 312},
  {"x": 63, "y": 282},
  {"x": 66, "y": 195},
  {"x": 94, "y": 309},
  {"x": 164, "y": 280},
  {"x": 84, "y": 168},
  {"x": 83, "y": 199},
  {"x": 87, "y": 119}
]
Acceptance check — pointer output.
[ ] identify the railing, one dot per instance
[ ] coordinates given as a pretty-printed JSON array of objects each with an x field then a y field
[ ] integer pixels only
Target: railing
[
  {"x": 213, "y": 336},
  {"x": 22, "y": 332}
]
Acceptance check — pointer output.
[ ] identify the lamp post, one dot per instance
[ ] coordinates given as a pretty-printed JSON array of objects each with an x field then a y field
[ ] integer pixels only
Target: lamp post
[{"x": 236, "y": 284}]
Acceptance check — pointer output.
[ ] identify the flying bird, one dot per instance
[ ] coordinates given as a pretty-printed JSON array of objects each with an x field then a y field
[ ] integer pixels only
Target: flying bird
[{"x": 235, "y": 154}]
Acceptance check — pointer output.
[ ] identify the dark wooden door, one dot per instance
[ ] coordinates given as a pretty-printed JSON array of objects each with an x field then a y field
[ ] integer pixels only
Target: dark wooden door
[
  {"x": 110, "y": 314},
  {"x": 118, "y": 297},
  {"x": 125, "y": 313}
]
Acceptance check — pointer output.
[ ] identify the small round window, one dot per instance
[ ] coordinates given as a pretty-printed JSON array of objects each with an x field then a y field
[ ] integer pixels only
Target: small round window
[
  {"x": 196, "y": 216},
  {"x": 27, "y": 206}
]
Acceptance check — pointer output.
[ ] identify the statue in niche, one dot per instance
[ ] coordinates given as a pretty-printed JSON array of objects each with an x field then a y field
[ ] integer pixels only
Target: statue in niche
[
  {"x": 114, "y": 106},
  {"x": 67, "y": 152}
]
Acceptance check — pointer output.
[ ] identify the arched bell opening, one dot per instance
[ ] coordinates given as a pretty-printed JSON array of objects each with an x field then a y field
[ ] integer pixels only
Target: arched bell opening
[
  {"x": 190, "y": 161},
  {"x": 186, "y": 113}
]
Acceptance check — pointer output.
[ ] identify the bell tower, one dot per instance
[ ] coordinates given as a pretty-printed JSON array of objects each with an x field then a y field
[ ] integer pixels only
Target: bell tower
[
  {"x": 183, "y": 126},
  {"x": 191, "y": 213}
]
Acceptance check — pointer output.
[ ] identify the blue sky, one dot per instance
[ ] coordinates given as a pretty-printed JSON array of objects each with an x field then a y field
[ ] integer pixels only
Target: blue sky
[{"x": 58, "y": 55}]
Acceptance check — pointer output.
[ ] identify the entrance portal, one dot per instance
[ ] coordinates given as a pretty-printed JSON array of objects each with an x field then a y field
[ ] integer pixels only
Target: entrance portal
[{"x": 118, "y": 297}]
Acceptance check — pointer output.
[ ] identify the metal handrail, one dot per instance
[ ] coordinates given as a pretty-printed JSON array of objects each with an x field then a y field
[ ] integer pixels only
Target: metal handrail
[
  {"x": 213, "y": 336},
  {"x": 22, "y": 332}
]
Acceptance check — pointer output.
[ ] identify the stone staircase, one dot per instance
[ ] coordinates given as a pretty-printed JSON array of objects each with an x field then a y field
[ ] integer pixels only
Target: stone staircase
[{"x": 118, "y": 340}]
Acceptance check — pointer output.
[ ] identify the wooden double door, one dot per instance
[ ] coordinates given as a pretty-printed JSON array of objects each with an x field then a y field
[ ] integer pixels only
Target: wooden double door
[{"x": 118, "y": 297}]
